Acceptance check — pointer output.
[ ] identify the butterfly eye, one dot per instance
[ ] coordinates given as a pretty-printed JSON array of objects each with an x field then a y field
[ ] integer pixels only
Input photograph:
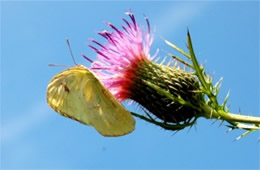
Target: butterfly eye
[{"x": 66, "y": 88}]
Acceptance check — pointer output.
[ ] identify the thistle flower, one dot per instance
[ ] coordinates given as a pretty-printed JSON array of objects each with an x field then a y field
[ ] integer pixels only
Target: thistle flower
[
  {"x": 175, "y": 96},
  {"x": 126, "y": 68}
]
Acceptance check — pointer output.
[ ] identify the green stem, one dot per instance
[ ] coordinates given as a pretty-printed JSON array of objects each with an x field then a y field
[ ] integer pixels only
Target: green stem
[{"x": 230, "y": 117}]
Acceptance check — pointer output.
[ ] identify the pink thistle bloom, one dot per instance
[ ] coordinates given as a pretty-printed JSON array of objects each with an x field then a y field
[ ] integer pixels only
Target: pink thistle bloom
[
  {"x": 124, "y": 66},
  {"x": 118, "y": 59}
]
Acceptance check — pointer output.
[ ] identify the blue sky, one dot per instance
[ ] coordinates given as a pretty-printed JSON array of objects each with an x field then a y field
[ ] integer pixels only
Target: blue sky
[{"x": 225, "y": 37}]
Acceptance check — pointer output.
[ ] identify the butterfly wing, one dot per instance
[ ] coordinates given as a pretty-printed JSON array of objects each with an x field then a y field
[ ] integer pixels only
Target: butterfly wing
[
  {"x": 113, "y": 119},
  {"x": 76, "y": 93}
]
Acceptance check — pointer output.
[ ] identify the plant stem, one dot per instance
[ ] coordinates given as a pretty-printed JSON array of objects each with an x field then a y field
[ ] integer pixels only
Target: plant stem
[{"x": 230, "y": 117}]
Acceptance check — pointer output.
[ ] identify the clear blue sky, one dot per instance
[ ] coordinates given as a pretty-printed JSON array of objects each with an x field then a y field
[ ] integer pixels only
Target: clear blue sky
[{"x": 225, "y": 37}]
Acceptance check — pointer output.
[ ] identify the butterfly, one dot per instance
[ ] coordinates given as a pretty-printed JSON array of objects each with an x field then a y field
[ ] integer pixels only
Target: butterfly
[{"x": 76, "y": 93}]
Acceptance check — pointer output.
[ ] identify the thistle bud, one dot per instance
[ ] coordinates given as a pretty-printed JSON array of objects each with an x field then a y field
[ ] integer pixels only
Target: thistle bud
[{"x": 179, "y": 83}]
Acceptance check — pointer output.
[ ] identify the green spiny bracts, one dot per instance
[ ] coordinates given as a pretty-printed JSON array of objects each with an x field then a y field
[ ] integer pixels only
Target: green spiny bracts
[{"x": 177, "y": 82}]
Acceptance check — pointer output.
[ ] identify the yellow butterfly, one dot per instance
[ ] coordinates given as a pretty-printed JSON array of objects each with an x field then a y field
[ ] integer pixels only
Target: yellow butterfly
[{"x": 76, "y": 93}]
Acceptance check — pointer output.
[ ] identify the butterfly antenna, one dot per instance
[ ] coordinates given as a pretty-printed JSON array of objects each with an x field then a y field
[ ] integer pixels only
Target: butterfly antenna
[
  {"x": 68, "y": 42},
  {"x": 59, "y": 65}
]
